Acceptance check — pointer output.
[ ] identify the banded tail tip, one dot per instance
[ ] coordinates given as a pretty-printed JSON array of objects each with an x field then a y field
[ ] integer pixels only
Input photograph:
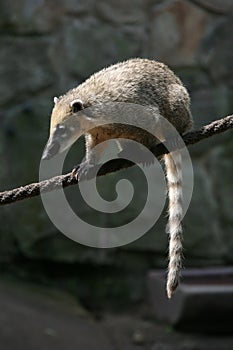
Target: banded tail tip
[{"x": 171, "y": 288}]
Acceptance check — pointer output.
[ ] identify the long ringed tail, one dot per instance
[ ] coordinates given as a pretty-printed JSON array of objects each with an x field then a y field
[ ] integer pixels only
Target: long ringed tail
[{"x": 174, "y": 226}]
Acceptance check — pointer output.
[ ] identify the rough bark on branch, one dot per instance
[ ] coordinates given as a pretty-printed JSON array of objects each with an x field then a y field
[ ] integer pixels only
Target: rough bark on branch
[{"x": 34, "y": 189}]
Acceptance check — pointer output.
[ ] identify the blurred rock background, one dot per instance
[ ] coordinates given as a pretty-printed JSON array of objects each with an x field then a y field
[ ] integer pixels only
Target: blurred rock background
[{"x": 47, "y": 47}]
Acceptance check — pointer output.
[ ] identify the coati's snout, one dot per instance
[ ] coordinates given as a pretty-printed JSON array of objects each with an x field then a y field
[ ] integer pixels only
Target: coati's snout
[
  {"x": 52, "y": 148},
  {"x": 62, "y": 137}
]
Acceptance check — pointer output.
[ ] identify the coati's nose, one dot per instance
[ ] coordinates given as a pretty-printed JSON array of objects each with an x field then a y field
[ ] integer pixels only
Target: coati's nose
[{"x": 51, "y": 149}]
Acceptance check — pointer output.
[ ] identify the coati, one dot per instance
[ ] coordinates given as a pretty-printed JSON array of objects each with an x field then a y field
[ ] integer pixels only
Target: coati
[{"x": 145, "y": 82}]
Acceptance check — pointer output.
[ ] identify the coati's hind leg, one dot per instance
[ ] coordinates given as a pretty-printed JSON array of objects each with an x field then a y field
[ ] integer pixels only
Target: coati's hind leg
[{"x": 174, "y": 227}]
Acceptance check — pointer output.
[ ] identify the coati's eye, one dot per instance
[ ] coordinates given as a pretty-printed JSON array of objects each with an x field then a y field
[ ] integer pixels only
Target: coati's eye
[{"x": 76, "y": 106}]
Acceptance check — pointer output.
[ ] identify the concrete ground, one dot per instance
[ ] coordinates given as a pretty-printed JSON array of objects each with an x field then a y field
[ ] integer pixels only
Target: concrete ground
[{"x": 32, "y": 318}]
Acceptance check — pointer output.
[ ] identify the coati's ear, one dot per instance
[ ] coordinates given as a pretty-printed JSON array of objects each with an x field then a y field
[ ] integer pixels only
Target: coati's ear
[
  {"x": 76, "y": 105},
  {"x": 55, "y": 100}
]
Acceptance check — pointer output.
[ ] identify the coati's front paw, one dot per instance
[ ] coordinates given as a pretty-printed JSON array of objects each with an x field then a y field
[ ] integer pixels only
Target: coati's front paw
[{"x": 83, "y": 170}]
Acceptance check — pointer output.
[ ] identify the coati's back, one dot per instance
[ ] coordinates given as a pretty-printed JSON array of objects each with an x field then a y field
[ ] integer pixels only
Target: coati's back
[{"x": 142, "y": 81}]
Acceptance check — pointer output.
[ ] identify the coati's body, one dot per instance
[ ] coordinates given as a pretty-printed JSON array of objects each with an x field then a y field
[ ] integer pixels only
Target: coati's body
[
  {"x": 141, "y": 81},
  {"x": 147, "y": 83}
]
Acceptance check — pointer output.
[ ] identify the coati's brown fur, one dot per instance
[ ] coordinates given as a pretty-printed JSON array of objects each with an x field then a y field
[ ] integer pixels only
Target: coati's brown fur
[{"x": 150, "y": 84}]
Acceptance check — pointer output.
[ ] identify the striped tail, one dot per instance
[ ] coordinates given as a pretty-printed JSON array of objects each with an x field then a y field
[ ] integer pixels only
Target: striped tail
[{"x": 174, "y": 226}]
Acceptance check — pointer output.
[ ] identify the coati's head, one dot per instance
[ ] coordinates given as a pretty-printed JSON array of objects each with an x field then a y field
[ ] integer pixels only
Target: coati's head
[{"x": 67, "y": 124}]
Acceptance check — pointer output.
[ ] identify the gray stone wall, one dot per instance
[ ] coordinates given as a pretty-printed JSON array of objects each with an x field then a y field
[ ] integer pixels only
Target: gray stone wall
[{"x": 47, "y": 47}]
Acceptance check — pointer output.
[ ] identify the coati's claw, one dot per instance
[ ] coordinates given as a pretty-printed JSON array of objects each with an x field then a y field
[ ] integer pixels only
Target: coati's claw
[
  {"x": 74, "y": 172},
  {"x": 82, "y": 170}
]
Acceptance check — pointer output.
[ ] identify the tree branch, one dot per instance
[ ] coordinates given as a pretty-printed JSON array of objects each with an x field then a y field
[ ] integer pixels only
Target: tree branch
[{"x": 54, "y": 183}]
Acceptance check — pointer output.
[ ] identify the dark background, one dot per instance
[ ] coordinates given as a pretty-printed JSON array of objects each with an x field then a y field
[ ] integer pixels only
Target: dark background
[{"x": 47, "y": 47}]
